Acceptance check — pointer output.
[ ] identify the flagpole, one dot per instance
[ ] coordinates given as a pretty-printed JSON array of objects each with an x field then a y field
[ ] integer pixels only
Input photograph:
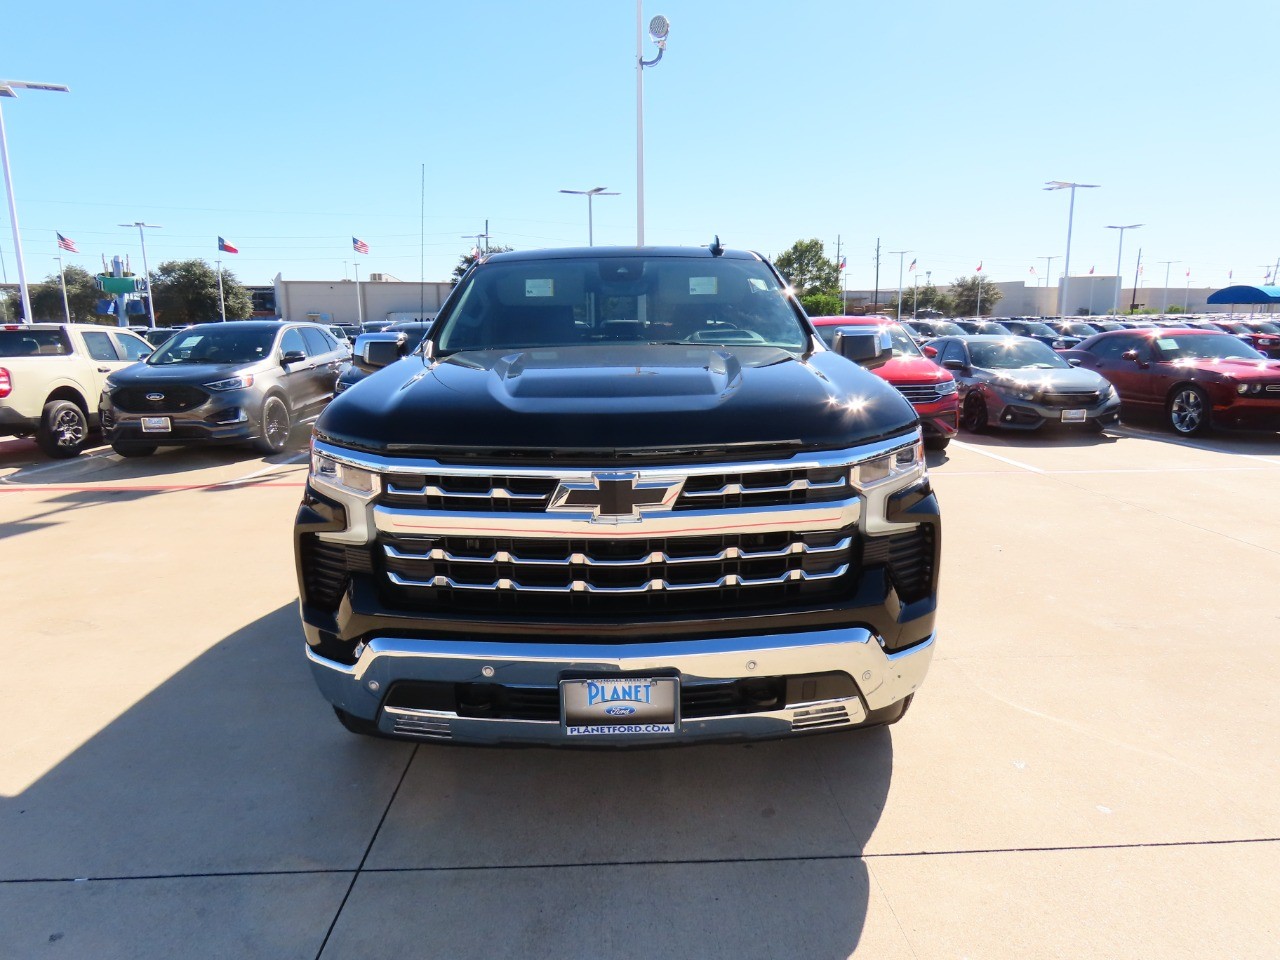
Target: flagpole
[
  {"x": 222, "y": 303},
  {"x": 915, "y": 296},
  {"x": 66, "y": 306},
  {"x": 359, "y": 305},
  {"x": 979, "y": 273}
]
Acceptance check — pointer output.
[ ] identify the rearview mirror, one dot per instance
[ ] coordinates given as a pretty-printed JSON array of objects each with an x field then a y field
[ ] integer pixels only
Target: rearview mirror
[
  {"x": 867, "y": 348},
  {"x": 373, "y": 351}
]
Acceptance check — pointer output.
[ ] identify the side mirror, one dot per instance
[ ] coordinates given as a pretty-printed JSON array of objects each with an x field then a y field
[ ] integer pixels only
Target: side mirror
[
  {"x": 292, "y": 356},
  {"x": 1132, "y": 357},
  {"x": 867, "y": 348},
  {"x": 373, "y": 351},
  {"x": 1074, "y": 361},
  {"x": 930, "y": 352},
  {"x": 954, "y": 365}
]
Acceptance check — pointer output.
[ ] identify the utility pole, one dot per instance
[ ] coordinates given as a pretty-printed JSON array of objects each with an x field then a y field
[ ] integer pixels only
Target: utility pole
[
  {"x": 875, "y": 297},
  {"x": 840, "y": 275},
  {"x": 1048, "y": 268},
  {"x": 901, "y": 256},
  {"x": 1164, "y": 304}
]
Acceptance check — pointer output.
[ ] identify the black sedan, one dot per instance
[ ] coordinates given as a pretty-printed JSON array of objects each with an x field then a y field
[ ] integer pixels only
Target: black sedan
[
  {"x": 983, "y": 327},
  {"x": 250, "y": 380},
  {"x": 1022, "y": 384},
  {"x": 1039, "y": 330}
]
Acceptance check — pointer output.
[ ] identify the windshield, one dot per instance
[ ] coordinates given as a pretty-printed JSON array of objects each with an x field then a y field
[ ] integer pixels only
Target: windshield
[
  {"x": 1014, "y": 354},
  {"x": 1265, "y": 326},
  {"x": 31, "y": 343},
  {"x": 229, "y": 344},
  {"x": 943, "y": 328},
  {"x": 985, "y": 328},
  {"x": 505, "y": 305},
  {"x": 1035, "y": 328},
  {"x": 1077, "y": 329},
  {"x": 903, "y": 345},
  {"x": 1209, "y": 346}
]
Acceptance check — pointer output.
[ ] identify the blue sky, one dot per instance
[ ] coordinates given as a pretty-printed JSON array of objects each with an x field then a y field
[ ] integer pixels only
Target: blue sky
[{"x": 287, "y": 128}]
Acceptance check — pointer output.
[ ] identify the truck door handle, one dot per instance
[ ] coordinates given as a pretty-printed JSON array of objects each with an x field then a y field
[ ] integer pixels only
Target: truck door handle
[{"x": 104, "y": 369}]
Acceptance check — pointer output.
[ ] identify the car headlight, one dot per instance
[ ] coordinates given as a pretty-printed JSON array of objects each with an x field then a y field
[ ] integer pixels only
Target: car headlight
[
  {"x": 1021, "y": 393},
  {"x": 1248, "y": 389},
  {"x": 907, "y": 462},
  {"x": 330, "y": 472},
  {"x": 232, "y": 383},
  {"x": 946, "y": 387},
  {"x": 1112, "y": 393}
]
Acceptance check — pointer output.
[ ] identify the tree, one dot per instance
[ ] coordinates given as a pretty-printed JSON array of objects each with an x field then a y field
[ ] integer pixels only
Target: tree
[
  {"x": 964, "y": 295},
  {"x": 807, "y": 268},
  {"x": 916, "y": 299},
  {"x": 467, "y": 259},
  {"x": 822, "y": 304},
  {"x": 82, "y": 296},
  {"x": 186, "y": 291}
]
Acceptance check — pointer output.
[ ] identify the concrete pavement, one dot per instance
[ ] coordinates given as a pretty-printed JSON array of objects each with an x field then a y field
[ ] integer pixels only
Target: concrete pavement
[{"x": 1089, "y": 771}]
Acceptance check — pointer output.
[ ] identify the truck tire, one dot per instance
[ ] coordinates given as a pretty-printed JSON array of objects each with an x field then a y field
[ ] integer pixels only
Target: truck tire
[
  {"x": 357, "y": 725},
  {"x": 64, "y": 429},
  {"x": 274, "y": 425},
  {"x": 134, "y": 449}
]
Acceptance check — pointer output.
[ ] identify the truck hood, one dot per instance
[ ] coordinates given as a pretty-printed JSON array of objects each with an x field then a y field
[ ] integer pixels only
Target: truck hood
[
  {"x": 635, "y": 397},
  {"x": 913, "y": 370}
]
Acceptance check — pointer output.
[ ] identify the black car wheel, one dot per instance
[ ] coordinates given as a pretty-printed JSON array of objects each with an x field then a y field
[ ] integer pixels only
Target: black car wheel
[
  {"x": 974, "y": 415},
  {"x": 936, "y": 443},
  {"x": 64, "y": 429},
  {"x": 275, "y": 426},
  {"x": 134, "y": 449},
  {"x": 1189, "y": 411}
]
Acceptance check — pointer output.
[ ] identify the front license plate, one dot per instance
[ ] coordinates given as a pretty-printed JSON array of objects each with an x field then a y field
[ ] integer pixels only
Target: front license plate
[
  {"x": 1074, "y": 416},
  {"x": 155, "y": 425},
  {"x": 616, "y": 707}
]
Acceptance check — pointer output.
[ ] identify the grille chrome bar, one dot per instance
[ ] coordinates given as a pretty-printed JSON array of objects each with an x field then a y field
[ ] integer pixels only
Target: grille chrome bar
[
  {"x": 652, "y": 586},
  {"x": 738, "y": 488},
  {"x": 431, "y": 490},
  {"x": 656, "y": 556}
]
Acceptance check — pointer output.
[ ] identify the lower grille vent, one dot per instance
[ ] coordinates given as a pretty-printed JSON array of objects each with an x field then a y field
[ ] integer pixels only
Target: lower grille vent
[
  {"x": 909, "y": 558},
  {"x": 836, "y": 715},
  {"x": 326, "y": 569},
  {"x": 431, "y": 728}
]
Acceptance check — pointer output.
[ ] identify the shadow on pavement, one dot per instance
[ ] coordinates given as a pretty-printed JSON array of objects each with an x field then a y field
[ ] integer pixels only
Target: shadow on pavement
[{"x": 235, "y": 767}]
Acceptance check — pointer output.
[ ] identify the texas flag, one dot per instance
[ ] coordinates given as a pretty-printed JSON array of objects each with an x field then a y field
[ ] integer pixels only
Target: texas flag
[
  {"x": 359, "y": 245},
  {"x": 842, "y": 262},
  {"x": 1031, "y": 270},
  {"x": 224, "y": 247},
  {"x": 1091, "y": 271},
  {"x": 65, "y": 244},
  {"x": 979, "y": 268},
  {"x": 1188, "y": 271}
]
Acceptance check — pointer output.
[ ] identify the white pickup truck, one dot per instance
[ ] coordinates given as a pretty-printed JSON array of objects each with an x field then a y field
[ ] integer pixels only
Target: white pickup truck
[{"x": 51, "y": 377}]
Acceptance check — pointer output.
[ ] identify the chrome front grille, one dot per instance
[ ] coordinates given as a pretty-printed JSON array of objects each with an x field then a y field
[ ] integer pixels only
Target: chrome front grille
[
  {"x": 919, "y": 392},
  {"x": 616, "y": 568}
]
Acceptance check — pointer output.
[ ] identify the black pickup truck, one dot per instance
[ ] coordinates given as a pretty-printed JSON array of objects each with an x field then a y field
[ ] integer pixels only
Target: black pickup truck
[{"x": 619, "y": 496}]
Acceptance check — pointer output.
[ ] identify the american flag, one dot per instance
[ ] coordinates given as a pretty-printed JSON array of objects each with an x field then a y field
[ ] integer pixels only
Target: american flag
[
  {"x": 66, "y": 244},
  {"x": 912, "y": 267},
  {"x": 359, "y": 245}
]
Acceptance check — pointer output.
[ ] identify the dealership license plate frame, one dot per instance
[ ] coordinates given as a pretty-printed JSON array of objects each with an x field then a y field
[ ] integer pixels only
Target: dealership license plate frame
[
  {"x": 658, "y": 714},
  {"x": 1075, "y": 416},
  {"x": 157, "y": 425}
]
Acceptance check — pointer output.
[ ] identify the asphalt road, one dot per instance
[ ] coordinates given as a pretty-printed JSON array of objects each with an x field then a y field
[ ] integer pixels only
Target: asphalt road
[{"x": 1089, "y": 771}]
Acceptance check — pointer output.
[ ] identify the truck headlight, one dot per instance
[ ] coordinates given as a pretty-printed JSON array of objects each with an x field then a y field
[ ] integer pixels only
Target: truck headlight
[
  {"x": 946, "y": 388},
  {"x": 878, "y": 479},
  {"x": 329, "y": 472},
  {"x": 908, "y": 461}
]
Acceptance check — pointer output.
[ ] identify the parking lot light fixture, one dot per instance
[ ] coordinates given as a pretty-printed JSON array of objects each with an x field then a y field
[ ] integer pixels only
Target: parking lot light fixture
[
  {"x": 1071, "y": 212},
  {"x": 7, "y": 88},
  {"x": 591, "y": 195},
  {"x": 659, "y": 28},
  {"x": 146, "y": 273},
  {"x": 1128, "y": 226}
]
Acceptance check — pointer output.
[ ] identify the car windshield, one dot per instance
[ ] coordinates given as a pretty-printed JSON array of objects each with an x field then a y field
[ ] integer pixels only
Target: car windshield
[
  {"x": 943, "y": 328},
  {"x": 1038, "y": 329},
  {"x": 1207, "y": 346},
  {"x": 1014, "y": 354},
  {"x": 1077, "y": 329},
  {"x": 229, "y": 344},
  {"x": 1265, "y": 326},
  {"x": 987, "y": 328},
  {"x": 697, "y": 299},
  {"x": 31, "y": 343},
  {"x": 903, "y": 345}
]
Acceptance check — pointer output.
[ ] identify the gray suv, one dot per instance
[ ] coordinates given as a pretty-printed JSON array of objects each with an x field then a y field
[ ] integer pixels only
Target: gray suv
[{"x": 217, "y": 382}]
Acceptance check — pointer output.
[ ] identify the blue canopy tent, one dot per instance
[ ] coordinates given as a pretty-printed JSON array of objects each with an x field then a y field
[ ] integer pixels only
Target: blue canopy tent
[{"x": 1243, "y": 293}]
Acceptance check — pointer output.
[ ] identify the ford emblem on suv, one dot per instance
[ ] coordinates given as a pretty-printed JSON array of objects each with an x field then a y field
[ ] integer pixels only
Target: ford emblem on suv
[{"x": 155, "y": 396}]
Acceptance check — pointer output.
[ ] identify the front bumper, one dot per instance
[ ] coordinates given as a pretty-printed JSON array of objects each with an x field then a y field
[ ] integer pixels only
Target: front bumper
[
  {"x": 1015, "y": 414},
  {"x": 228, "y": 421},
  {"x": 1260, "y": 412},
  {"x": 940, "y": 418},
  {"x": 877, "y": 680}
]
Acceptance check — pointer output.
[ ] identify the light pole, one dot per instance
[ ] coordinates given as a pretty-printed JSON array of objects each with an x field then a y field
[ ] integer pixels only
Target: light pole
[
  {"x": 62, "y": 276},
  {"x": 7, "y": 88},
  {"x": 901, "y": 256},
  {"x": 146, "y": 273},
  {"x": 1164, "y": 304},
  {"x": 659, "y": 27},
  {"x": 1120, "y": 283},
  {"x": 1048, "y": 267},
  {"x": 1071, "y": 212},
  {"x": 591, "y": 195}
]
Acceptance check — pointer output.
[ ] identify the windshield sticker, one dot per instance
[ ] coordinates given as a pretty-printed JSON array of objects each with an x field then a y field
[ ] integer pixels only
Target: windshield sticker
[
  {"x": 704, "y": 286},
  {"x": 758, "y": 283},
  {"x": 540, "y": 288},
  {"x": 1166, "y": 343}
]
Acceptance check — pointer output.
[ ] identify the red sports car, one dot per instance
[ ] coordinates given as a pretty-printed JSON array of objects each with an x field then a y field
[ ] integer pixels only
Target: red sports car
[
  {"x": 1196, "y": 379},
  {"x": 931, "y": 390}
]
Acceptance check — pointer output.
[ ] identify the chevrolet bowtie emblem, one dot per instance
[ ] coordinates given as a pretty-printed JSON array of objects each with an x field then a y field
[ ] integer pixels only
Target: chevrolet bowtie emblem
[{"x": 615, "y": 497}]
